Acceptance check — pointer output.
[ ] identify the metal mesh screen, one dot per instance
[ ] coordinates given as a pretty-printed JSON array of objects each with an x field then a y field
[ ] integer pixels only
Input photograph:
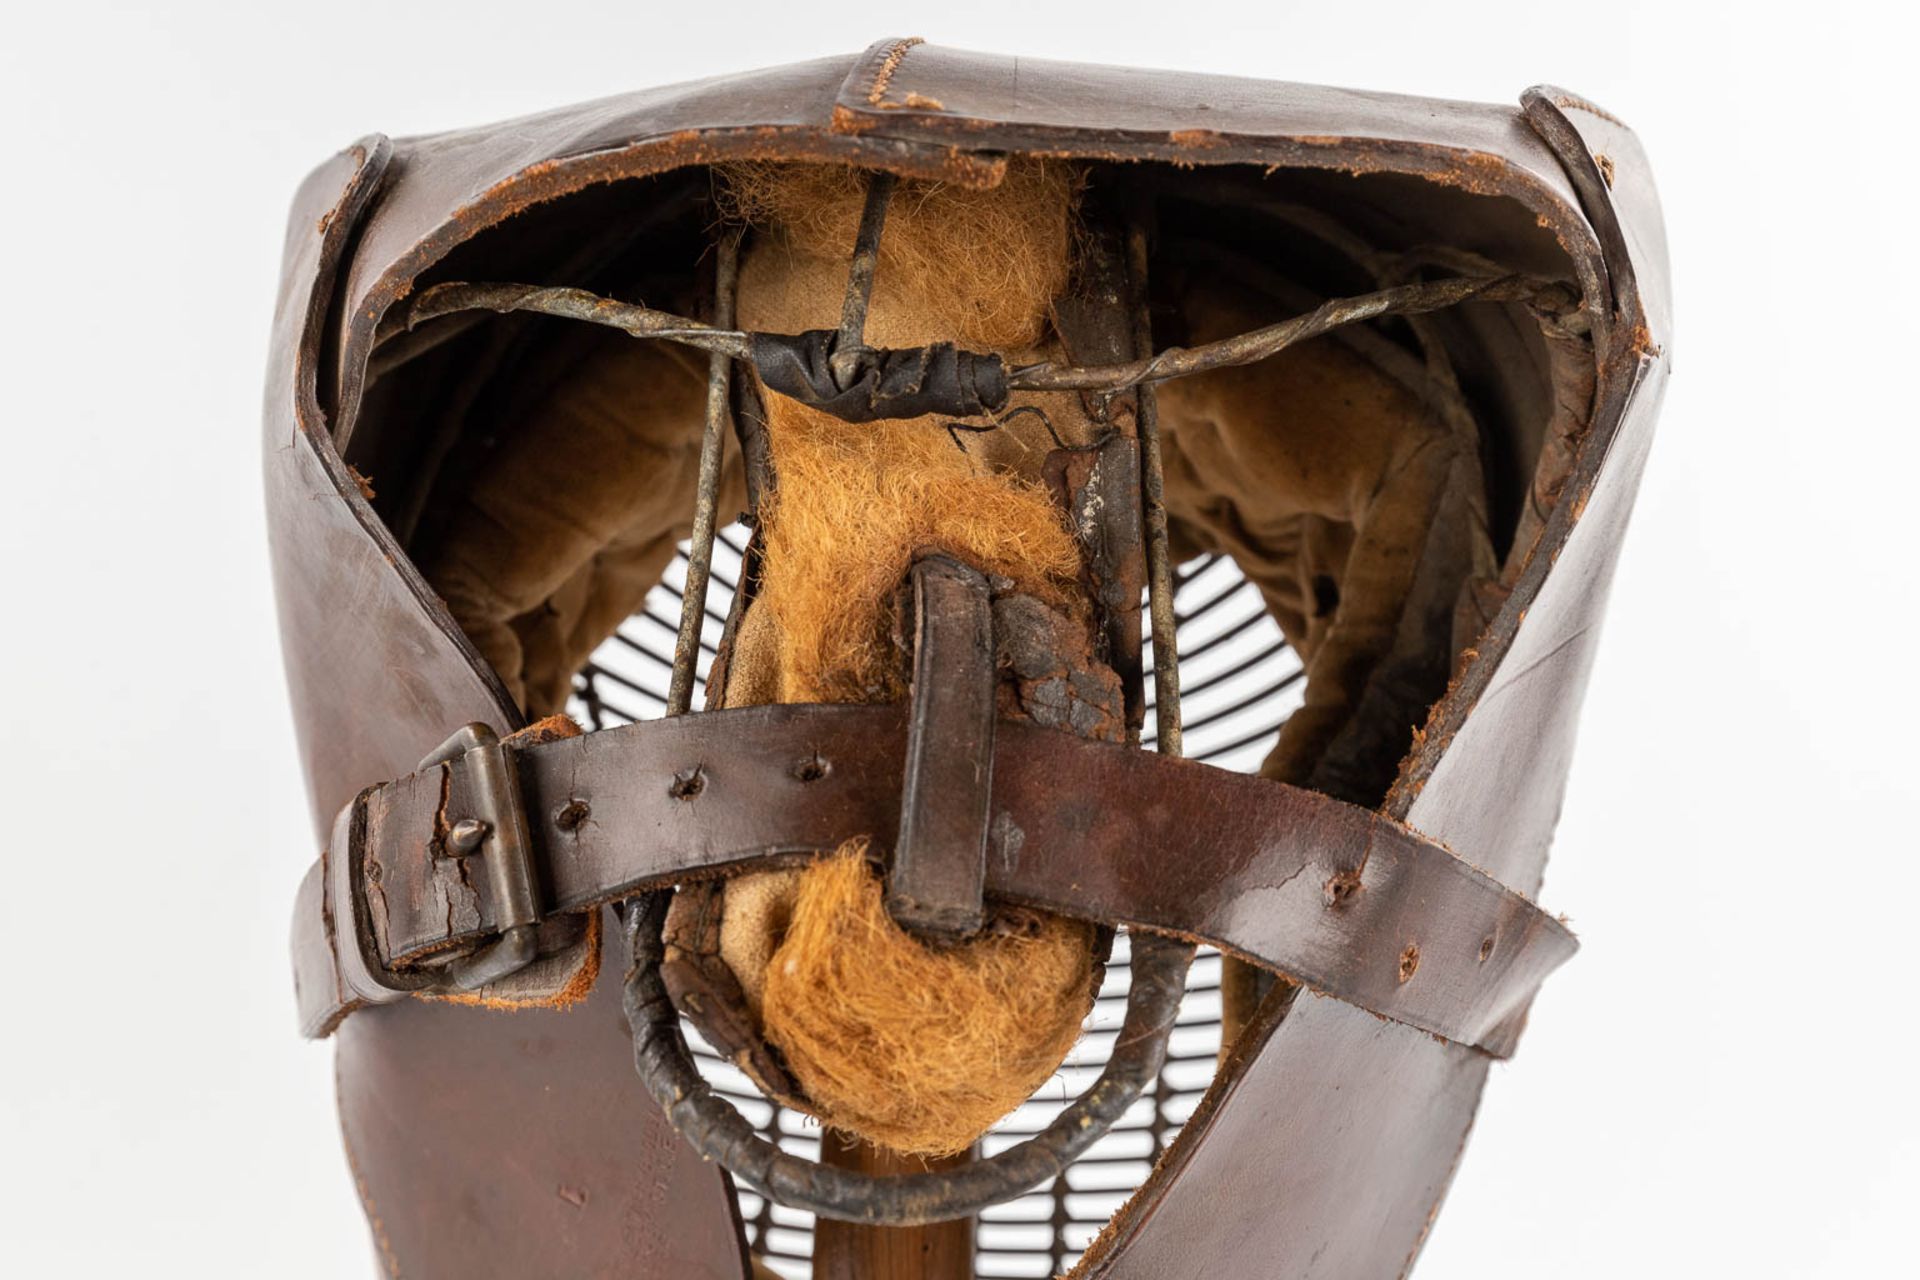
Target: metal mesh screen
[{"x": 1239, "y": 682}]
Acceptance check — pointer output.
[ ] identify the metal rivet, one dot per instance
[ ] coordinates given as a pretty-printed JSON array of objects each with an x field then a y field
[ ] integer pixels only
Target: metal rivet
[{"x": 465, "y": 836}]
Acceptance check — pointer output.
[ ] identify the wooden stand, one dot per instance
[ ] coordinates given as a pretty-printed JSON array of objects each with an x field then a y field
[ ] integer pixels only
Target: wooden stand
[{"x": 850, "y": 1251}]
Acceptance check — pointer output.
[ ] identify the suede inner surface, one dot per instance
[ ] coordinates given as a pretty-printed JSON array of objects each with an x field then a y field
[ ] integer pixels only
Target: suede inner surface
[{"x": 576, "y": 512}]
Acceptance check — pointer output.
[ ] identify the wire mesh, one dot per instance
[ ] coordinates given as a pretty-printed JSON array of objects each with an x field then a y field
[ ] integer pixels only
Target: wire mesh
[{"x": 1239, "y": 682}]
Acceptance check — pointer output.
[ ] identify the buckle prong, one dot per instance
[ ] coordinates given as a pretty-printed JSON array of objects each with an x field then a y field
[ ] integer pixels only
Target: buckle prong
[{"x": 465, "y": 837}]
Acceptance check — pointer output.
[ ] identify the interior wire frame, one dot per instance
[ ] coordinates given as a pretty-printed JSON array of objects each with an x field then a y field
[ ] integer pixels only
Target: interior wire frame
[{"x": 1239, "y": 681}]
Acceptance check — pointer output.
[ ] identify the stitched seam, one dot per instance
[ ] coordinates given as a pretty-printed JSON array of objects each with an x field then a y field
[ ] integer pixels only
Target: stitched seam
[
  {"x": 890, "y": 64},
  {"x": 1570, "y": 103}
]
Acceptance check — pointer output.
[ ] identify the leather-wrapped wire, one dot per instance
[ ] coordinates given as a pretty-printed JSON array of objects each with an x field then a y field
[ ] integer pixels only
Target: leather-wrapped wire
[
  {"x": 874, "y": 384},
  {"x": 567, "y": 303},
  {"x": 1268, "y": 340},
  {"x": 720, "y": 1133},
  {"x": 871, "y": 384},
  {"x": 693, "y": 593}
]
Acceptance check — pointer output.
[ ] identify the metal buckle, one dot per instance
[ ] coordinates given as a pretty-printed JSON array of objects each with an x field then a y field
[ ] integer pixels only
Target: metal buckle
[{"x": 498, "y": 832}]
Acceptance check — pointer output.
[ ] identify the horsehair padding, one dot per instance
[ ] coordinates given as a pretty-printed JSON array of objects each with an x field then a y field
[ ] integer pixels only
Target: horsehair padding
[
  {"x": 956, "y": 264},
  {"x": 915, "y": 1049},
  {"x": 922, "y": 1046}
]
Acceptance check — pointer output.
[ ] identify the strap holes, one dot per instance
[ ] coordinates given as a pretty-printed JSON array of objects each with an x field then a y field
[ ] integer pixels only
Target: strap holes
[
  {"x": 1486, "y": 948},
  {"x": 687, "y": 783},
  {"x": 1341, "y": 886},
  {"x": 1409, "y": 961}
]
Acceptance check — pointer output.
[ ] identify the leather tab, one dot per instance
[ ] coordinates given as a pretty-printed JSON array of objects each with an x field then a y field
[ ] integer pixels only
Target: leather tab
[
  {"x": 939, "y": 866},
  {"x": 879, "y": 385}
]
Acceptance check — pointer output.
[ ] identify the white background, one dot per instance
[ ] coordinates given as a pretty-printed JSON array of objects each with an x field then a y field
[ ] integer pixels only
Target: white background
[{"x": 1721, "y": 1083}]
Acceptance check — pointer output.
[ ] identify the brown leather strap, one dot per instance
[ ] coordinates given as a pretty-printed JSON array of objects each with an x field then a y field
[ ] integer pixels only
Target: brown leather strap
[
  {"x": 1340, "y": 899},
  {"x": 936, "y": 876}
]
